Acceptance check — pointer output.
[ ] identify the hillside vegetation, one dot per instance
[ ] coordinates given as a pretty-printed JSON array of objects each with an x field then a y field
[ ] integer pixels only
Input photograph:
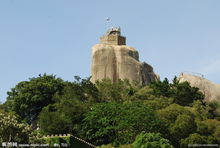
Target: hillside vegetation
[{"x": 107, "y": 114}]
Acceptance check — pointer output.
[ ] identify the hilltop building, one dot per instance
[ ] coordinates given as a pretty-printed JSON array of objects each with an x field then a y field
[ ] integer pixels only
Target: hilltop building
[{"x": 113, "y": 59}]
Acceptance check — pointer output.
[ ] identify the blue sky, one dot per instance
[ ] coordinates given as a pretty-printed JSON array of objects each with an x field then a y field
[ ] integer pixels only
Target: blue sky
[{"x": 56, "y": 36}]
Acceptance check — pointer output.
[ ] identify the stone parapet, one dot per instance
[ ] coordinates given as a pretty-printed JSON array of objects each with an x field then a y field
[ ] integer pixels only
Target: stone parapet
[{"x": 113, "y": 40}]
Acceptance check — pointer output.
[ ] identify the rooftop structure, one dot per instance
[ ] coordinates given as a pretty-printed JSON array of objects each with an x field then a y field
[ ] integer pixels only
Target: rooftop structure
[{"x": 113, "y": 37}]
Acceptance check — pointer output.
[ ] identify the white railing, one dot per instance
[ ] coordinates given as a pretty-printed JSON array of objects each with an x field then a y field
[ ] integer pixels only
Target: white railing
[
  {"x": 68, "y": 135},
  {"x": 192, "y": 73}
]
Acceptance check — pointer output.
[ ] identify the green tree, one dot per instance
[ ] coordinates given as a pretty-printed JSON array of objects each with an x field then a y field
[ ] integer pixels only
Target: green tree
[
  {"x": 170, "y": 113},
  {"x": 202, "y": 128},
  {"x": 158, "y": 103},
  {"x": 83, "y": 90},
  {"x": 7, "y": 106},
  {"x": 216, "y": 134},
  {"x": 69, "y": 107},
  {"x": 214, "y": 109},
  {"x": 180, "y": 122},
  {"x": 200, "y": 110},
  {"x": 183, "y": 126},
  {"x": 29, "y": 97},
  {"x": 118, "y": 123},
  {"x": 62, "y": 117},
  {"x": 11, "y": 130},
  {"x": 119, "y": 91},
  {"x": 143, "y": 93},
  {"x": 213, "y": 128},
  {"x": 197, "y": 139},
  {"x": 151, "y": 140},
  {"x": 182, "y": 93},
  {"x": 212, "y": 124},
  {"x": 161, "y": 88}
]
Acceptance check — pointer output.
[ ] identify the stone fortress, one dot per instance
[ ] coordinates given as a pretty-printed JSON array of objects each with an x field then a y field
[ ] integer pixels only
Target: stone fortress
[{"x": 113, "y": 59}]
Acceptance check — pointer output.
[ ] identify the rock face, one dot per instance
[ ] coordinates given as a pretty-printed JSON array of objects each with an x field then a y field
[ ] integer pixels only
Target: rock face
[
  {"x": 211, "y": 90},
  {"x": 113, "y": 59}
]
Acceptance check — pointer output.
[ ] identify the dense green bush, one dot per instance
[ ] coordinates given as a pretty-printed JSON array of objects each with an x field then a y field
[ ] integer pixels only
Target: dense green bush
[
  {"x": 196, "y": 139},
  {"x": 119, "y": 123},
  {"x": 151, "y": 140}
]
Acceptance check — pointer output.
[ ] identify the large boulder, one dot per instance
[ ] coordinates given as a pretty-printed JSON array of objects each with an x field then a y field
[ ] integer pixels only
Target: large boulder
[
  {"x": 119, "y": 62},
  {"x": 210, "y": 89}
]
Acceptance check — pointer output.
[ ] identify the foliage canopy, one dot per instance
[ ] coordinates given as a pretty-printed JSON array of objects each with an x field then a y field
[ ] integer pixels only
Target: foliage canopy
[{"x": 111, "y": 114}]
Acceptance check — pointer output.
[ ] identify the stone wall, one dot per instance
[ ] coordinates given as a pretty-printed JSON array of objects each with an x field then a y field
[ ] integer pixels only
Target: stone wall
[{"x": 113, "y": 40}]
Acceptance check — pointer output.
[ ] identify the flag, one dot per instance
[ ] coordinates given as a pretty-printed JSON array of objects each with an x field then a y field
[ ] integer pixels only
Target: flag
[{"x": 108, "y": 19}]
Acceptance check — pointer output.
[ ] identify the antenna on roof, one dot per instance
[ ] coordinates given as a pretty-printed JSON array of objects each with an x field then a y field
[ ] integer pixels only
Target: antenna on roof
[{"x": 108, "y": 19}]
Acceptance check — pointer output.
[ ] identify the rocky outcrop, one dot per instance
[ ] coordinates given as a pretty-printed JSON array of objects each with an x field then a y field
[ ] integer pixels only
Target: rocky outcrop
[
  {"x": 211, "y": 90},
  {"x": 119, "y": 62}
]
